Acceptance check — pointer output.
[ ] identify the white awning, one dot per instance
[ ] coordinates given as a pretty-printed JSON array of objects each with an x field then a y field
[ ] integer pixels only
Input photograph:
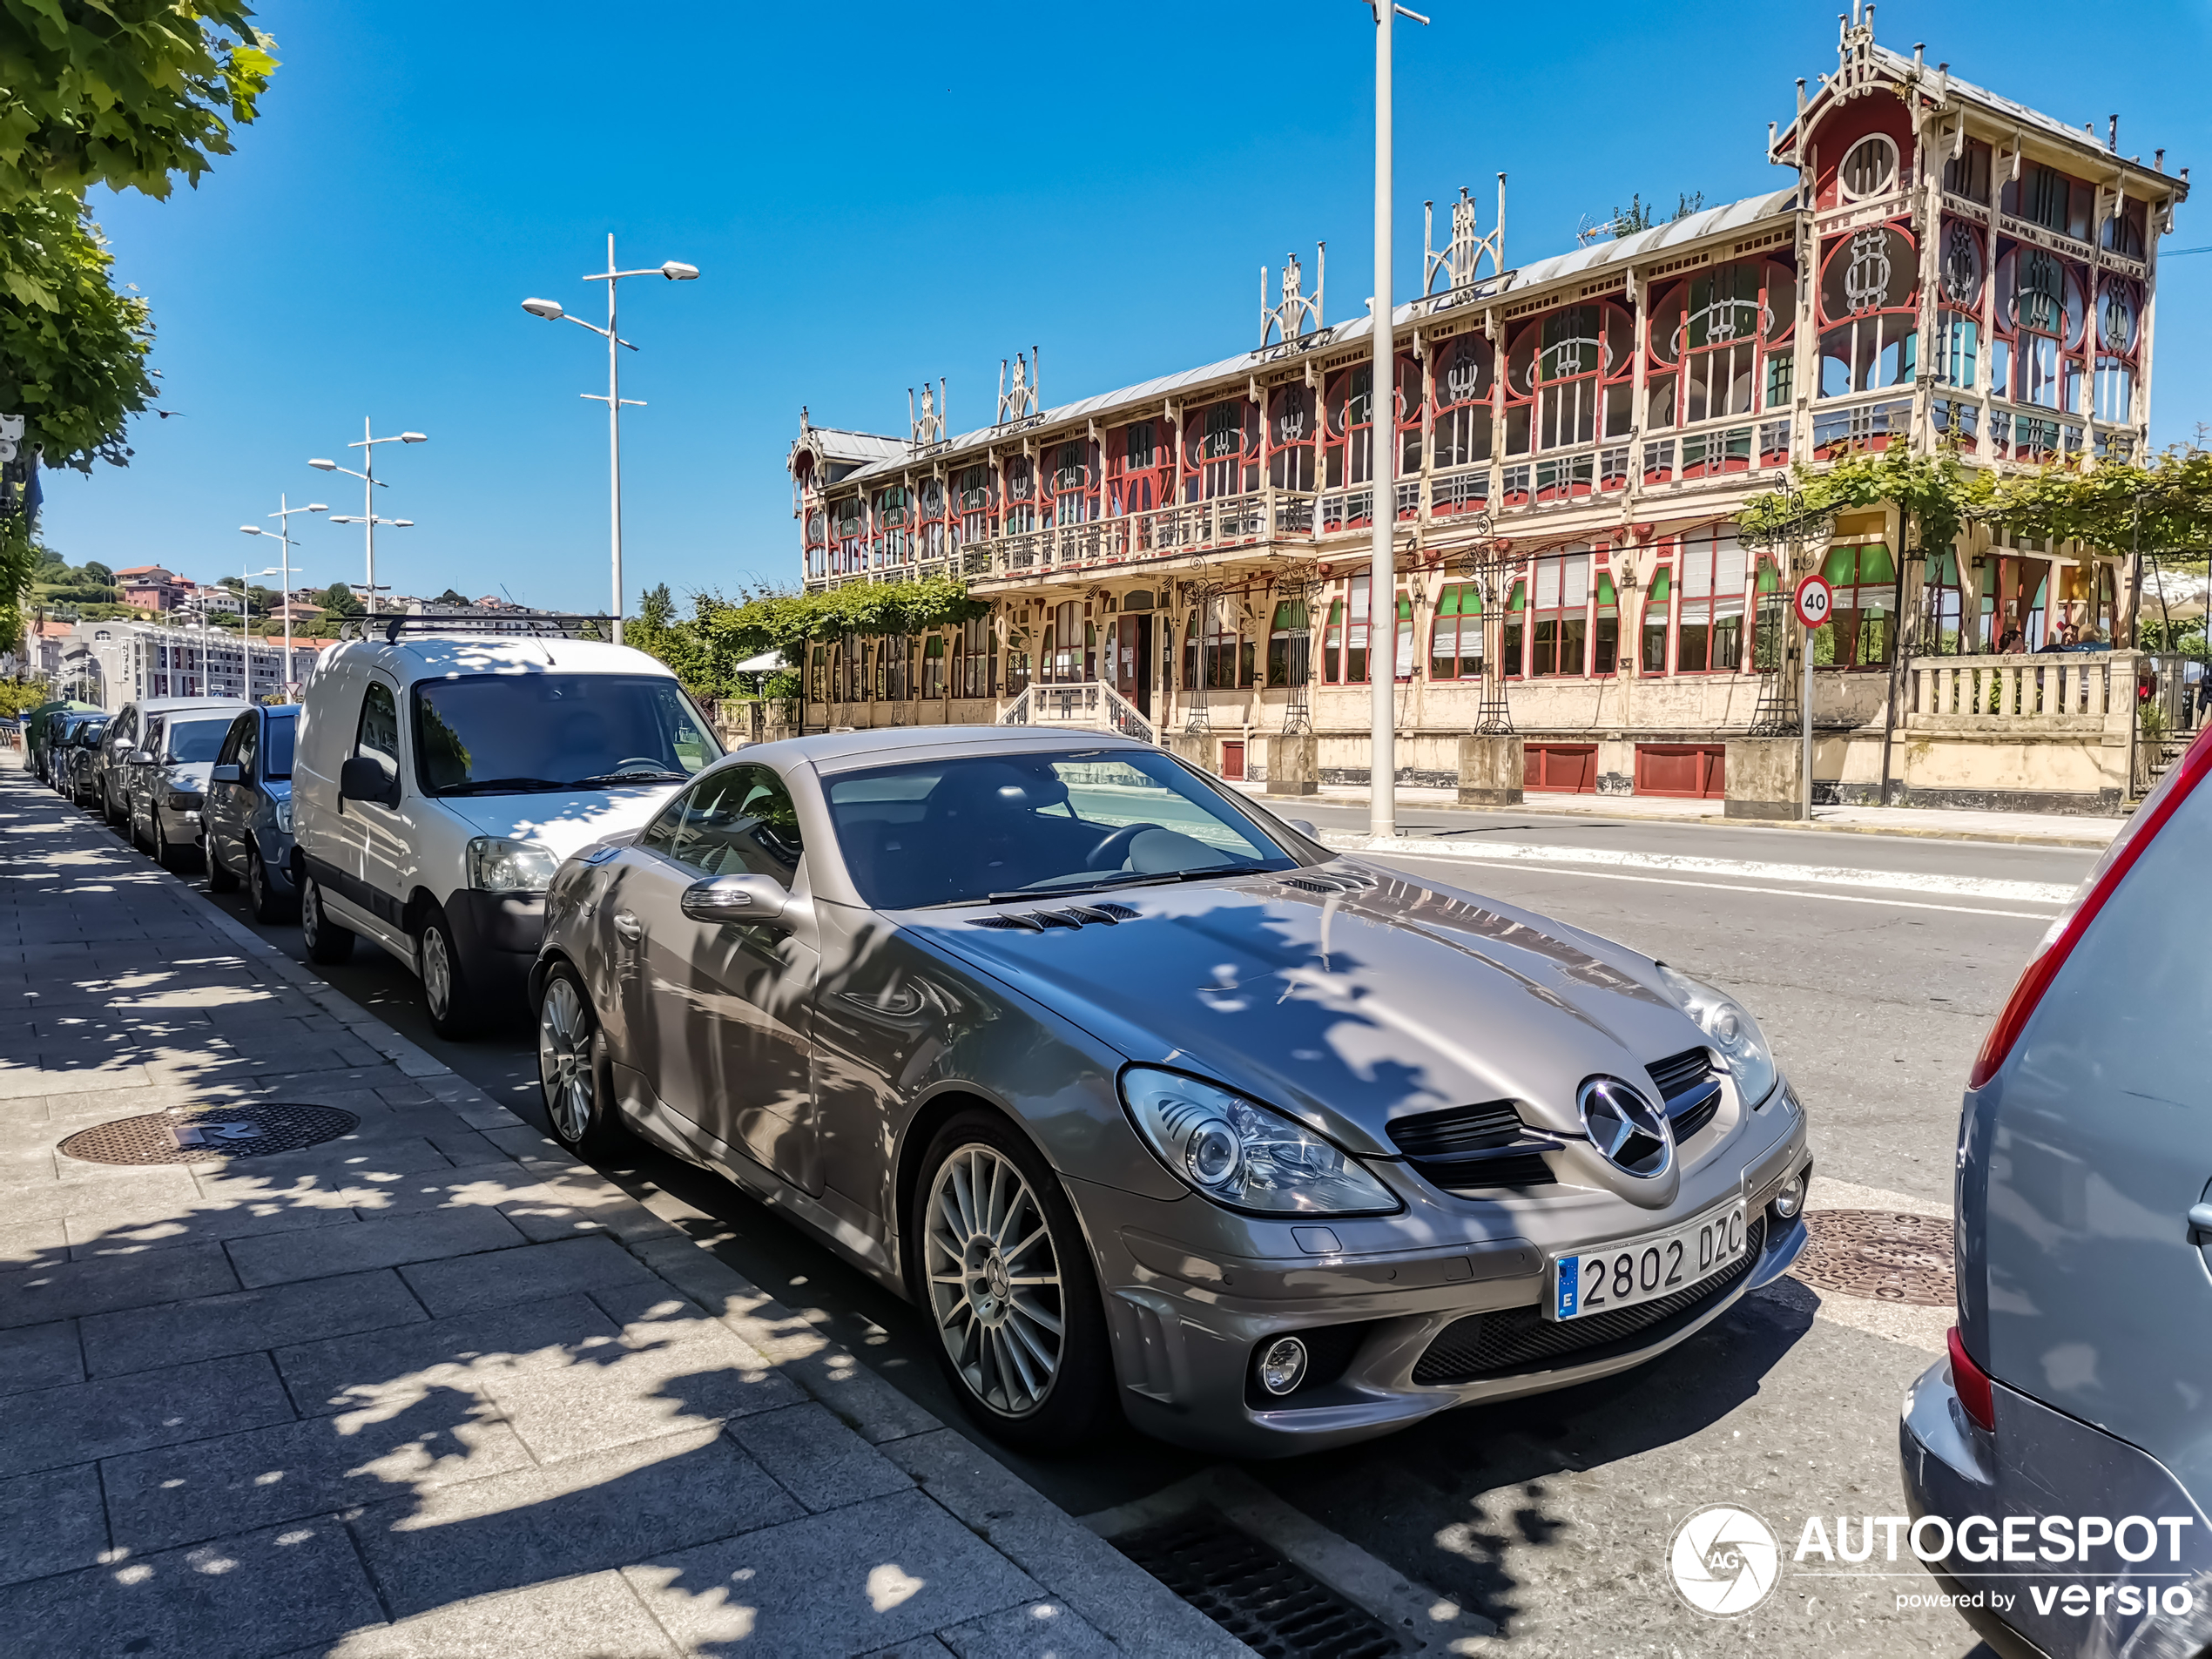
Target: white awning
[{"x": 767, "y": 663}]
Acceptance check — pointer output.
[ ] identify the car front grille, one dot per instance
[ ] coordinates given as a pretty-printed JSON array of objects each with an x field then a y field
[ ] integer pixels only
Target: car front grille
[
  {"x": 1512, "y": 1342},
  {"x": 1465, "y": 1149},
  {"x": 1690, "y": 1088}
]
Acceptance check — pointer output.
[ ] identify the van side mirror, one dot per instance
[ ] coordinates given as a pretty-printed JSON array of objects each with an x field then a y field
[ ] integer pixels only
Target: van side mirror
[
  {"x": 226, "y": 774},
  {"x": 364, "y": 778},
  {"x": 755, "y": 900}
]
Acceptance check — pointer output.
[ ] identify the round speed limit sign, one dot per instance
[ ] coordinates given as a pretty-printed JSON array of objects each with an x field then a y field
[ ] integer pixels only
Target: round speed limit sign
[{"x": 1815, "y": 599}]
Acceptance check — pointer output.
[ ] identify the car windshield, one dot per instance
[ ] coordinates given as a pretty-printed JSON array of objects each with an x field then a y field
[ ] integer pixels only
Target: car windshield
[
  {"x": 276, "y": 745},
  {"x": 192, "y": 741},
  {"x": 974, "y": 828},
  {"x": 514, "y": 733}
]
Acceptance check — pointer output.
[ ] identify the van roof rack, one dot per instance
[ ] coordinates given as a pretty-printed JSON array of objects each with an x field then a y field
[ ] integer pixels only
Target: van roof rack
[{"x": 532, "y": 624}]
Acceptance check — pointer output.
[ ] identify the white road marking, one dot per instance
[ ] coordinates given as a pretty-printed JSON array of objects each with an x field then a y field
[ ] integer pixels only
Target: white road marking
[{"x": 1735, "y": 870}]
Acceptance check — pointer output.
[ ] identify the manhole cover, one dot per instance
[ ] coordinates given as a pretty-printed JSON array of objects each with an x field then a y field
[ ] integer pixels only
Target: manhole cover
[
  {"x": 1881, "y": 1255},
  {"x": 206, "y": 1136},
  {"x": 1272, "y": 1604}
]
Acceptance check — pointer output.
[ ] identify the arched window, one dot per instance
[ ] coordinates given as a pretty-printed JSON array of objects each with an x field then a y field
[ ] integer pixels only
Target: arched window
[
  {"x": 2119, "y": 316},
  {"x": 1226, "y": 449},
  {"x": 1569, "y": 378},
  {"x": 1072, "y": 502},
  {"x": 1141, "y": 463},
  {"x": 1020, "y": 513},
  {"x": 1291, "y": 432},
  {"x": 1868, "y": 296},
  {"x": 2041, "y": 319},
  {"x": 932, "y": 533},
  {"x": 1350, "y": 410},
  {"x": 1460, "y": 428},
  {"x": 975, "y": 499}
]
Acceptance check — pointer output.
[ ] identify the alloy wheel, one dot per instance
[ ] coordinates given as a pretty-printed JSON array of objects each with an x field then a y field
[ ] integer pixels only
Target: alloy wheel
[
  {"x": 437, "y": 972},
  {"x": 564, "y": 1059},
  {"x": 994, "y": 1286}
]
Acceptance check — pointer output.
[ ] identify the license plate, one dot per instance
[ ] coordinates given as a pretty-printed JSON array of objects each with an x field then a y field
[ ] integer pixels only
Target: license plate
[{"x": 1631, "y": 1270}]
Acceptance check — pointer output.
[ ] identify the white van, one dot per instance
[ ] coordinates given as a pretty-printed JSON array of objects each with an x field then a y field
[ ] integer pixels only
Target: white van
[{"x": 440, "y": 779}]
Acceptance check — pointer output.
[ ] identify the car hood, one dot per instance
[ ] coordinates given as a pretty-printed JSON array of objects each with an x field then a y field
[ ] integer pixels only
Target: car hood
[
  {"x": 1347, "y": 1010},
  {"x": 189, "y": 774},
  {"x": 565, "y": 821}
]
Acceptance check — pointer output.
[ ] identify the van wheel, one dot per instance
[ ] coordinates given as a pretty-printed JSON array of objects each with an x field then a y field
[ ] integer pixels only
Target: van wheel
[
  {"x": 219, "y": 878},
  {"x": 578, "y": 1104},
  {"x": 1001, "y": 1266},
  {"x": 445, "y": 992},
  {"x": 327, "y": 943}
]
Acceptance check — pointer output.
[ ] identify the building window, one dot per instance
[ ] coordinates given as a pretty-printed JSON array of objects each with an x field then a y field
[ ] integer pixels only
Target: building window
[
  {"x": 1511, "y": 655},
  {"x": 1332, "y": 644},
  {"x": 1070, "y": 646},
  {"x": 1867, "y": 297},
  {"x": 1707, "y": 335},
  {"x": 1355, "y": 632},
  {"x": 973, "y": 484},
  {"x": 1460, "y": 430},
  {"x": 1225, "y": 451},
  {"x": 1289, "y": 438},
  {"x": 1455, "y": 639},
  {"x": 1709, "y": 638},
  {"x": 1560, "y": 613},
  {"x": 1870, "y": 167},
  {"x": 1605, "y": 634},
  {"x": 976, "y": 667},
  {"x": 1943, "y": 603},
  {"x": 1861, "y": 631},
  {"x": 2123, "y": 231},
  {"x": 1652, "y": 648},
  {"x": 1071, "y": 497},
  {"x": 932, "y": 666},
  {"x": 1968, "y": 175},
  {"x": 1351, "y": 411},
  {"x": 1569, "y": 378},
  {"x": 1288, "y": 645}
]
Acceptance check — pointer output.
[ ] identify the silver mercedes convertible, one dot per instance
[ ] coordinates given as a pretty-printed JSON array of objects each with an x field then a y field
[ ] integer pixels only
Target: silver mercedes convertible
[{"x": 1149, "y": 1103}]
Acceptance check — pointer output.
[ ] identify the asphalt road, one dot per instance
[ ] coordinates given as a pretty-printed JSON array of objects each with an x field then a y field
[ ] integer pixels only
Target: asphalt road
[{"x": 1552, "y": 1517}]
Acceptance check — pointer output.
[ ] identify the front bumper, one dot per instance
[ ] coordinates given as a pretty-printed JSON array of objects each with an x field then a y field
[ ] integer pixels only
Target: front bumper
[
  {"x": 1186, "y": 1327},
  {"x": 497, "y": 935},
  {"x": 2039, "y": 1463}
]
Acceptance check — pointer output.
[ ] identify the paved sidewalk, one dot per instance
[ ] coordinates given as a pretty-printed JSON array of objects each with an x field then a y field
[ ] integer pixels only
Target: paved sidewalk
[
  {"x": 428, "y": 1388},
  {"x": 2033, "y": 829}
]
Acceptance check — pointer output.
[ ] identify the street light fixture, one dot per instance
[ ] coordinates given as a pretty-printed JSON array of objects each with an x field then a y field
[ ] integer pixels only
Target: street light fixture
[
  {"x": 370, "y": 484},
  {"x": 283, "y": 534},
  {"x": 675, "y": 271}
]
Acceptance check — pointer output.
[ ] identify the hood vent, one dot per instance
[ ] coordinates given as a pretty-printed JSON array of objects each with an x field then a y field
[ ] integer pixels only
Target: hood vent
[
  {"x": 1037, "y": 921},
  {"x": 1330, "y": 881},
  {"x": 1690, "y": 1089},
  {"x": 1467, "y": 1148}
]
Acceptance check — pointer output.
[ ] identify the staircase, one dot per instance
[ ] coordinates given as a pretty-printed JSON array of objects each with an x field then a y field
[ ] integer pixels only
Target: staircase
[{"x": 1088, "y": 705}]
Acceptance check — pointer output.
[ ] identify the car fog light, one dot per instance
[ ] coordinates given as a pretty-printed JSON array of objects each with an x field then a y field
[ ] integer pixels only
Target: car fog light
[
  {"x": 1282, "y": 1367},
  {"x": 1791, "y": 1198}
]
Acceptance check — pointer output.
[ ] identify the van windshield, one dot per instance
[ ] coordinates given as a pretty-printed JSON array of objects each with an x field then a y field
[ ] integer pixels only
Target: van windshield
[{"x": 500, "y": 734}]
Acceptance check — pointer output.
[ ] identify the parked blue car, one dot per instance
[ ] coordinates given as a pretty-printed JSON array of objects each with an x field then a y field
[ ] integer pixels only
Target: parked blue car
[{"x": 248, "y": 814}]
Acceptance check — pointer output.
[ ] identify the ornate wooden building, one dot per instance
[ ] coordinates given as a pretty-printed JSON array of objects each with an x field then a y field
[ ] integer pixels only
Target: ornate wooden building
[{"x": 1946, "y": 268}]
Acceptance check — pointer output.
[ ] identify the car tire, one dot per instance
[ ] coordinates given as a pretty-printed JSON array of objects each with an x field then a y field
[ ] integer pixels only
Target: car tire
[
  {"x": 268, "y": 904},
  {"x": 165, "y": 852},
  {"x": 571, "y": 1067},
  {"x": 107, "y": 808},
  {"x": 446, "y": 995},
  {"x": 219, "y": 878},
  {"x": 327, "y": 943},
  {"x": 1027, "y": 1386}
]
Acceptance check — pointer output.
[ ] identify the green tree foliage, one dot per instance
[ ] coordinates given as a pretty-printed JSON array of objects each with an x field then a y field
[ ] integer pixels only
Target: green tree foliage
[
  {"x": 72, "y": 349},
  {"x": 450, "y": 597},
  {"x": 339, "y": 599},
  {"x": 124, "y": 94}
]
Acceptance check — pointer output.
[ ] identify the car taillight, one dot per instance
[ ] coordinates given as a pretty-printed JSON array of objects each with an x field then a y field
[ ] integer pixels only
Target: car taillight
[
  {"x": 2067, "y": 932},
  {"x": 1971, "y": 1383}
]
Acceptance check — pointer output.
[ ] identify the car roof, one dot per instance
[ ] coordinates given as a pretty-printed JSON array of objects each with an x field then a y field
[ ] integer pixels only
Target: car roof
[
  {"x": 415, "y": 657},
  {"x": 842, "y": 750},
  {"x": 174, "y": 704}
]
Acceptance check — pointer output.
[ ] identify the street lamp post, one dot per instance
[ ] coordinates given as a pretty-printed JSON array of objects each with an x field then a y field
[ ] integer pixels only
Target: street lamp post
[
  {"x": 1382, "y": 438},
  {"x": 369, "y": 483},
  {"x": 283, "y": 534},
  {"x": 675, "y": 271}
]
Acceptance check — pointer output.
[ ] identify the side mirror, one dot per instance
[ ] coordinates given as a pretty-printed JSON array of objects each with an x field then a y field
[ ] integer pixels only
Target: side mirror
[
  {"x": 1304, "y": 826},
  {"x": 142, "y": 757},
  {"x": 363, "y": 778},
  {"x": 755, "y": 900},
  {"x": 227, "y": 774}
]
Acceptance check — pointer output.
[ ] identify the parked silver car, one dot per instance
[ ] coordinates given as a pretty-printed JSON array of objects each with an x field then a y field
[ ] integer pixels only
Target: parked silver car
[
  {"x": 125, "y": 734},
  {"x": 167, "y": 781},
  {"x": 2069, "y": 1423},
  {"x": 1154, "y": 1103},
  {"x": 247, "y": 819}
]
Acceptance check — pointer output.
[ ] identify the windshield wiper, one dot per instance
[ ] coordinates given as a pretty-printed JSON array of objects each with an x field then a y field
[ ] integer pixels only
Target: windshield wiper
[
  {"x": 504, "y": 786},
  {"x": 1161, "y": 879},
  {"x": 635, "y": 775}
]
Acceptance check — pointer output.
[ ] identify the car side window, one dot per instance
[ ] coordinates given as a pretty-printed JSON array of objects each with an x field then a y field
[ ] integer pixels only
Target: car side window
[
  {"x": 378, "y": 735},
  {"x": 120, "y": 733},
  {"x": 738, "y": 822},
  {"x": 247, "y": 735},
  {"x": 152, "y": 743}
]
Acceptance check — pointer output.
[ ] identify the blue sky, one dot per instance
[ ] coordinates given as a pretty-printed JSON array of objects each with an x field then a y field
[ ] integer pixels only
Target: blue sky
[{"x": 878, "y": 195}]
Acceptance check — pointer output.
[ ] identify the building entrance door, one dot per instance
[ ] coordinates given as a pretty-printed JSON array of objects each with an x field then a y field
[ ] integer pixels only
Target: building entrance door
[{"x": 1132, "y": 672}]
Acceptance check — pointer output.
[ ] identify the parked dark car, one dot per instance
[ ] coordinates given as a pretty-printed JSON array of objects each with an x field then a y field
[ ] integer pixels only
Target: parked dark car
[
  {"x": 73, "y": 761},
  {"x": 2071, "y": 1415},
  {"x": 248, "y": 819}
]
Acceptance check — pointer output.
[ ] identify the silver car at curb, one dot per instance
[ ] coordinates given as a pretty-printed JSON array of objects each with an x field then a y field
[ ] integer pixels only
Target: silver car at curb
[{"x": 1154, "y": 1106}]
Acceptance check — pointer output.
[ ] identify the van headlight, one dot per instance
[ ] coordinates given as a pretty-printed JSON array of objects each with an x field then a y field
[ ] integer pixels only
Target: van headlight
[
  {"x": 1734, "y": 1033},
  {"x": 499, "y": 864},
  {"x": 1243, "y": 1154}
]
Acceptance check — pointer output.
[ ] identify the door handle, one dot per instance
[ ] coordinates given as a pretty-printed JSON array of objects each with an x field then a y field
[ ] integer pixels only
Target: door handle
[
  {"x": 2200, "y": 1217},
  {"x": 628, "y": 927}
]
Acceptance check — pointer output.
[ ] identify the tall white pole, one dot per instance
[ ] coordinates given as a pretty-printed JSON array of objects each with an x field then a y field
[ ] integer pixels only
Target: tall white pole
[
  {"x": 1382, "y": 583},
  {"x": 614, "y": 437},
  {"x": 369, "y": 504}
]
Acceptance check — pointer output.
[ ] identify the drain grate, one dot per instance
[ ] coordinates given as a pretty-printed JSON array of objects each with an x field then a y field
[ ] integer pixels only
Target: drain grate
[
  {"x": 1880, "y": 1254},
  {"x": 1272, "y": 1605},
  {"x": 210, "y": 1134}
]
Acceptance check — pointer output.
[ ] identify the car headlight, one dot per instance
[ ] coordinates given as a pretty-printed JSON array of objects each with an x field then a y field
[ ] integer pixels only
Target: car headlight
[
  {"x": 183, "y": 800},
  {"x": 1743, "y": 1046},
  {"x": 1241, "y": 1154},
  {"x": 284, "y": 816},
  {"x": 499, "y": 864}
]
